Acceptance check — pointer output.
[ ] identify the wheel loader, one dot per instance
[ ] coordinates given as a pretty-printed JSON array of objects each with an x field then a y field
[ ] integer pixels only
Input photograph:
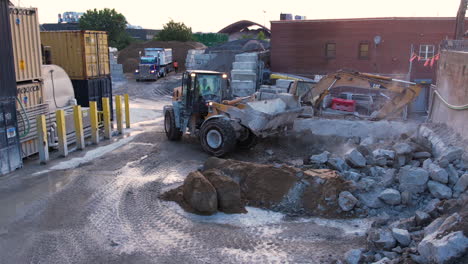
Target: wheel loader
[{"x": 202, "y": 107}]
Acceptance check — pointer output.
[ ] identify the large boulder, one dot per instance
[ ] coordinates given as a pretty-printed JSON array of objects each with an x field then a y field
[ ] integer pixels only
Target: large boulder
[
  {"x": 355, "y": 159},
  {"x": 413, "y": 179},
  {"x": 439, "y": 190},
  {"x": 443, "y": 248},
  {"x": 200, "y": 194},
  {"x": 347, "y": 201},
  {"x": 228, "y": 192},
  {"x": 261, "y": 185},
  {"x": 390, "y": 196}
]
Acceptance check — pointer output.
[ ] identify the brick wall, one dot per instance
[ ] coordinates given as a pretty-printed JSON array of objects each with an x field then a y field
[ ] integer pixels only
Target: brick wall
[{"x": 298, "y": 47}]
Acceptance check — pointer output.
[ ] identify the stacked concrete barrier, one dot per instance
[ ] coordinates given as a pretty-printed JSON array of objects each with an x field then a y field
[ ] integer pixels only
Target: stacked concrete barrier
[
  {"x": 197, "y": 58},
  {"x": 244, "y": 74},
  {"x": 116, "y": 69}
]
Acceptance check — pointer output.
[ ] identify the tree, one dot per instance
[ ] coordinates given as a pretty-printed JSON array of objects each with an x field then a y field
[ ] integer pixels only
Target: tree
[
  {"x": 175, "y": 31},
  {"x": 107, "y": 20}
]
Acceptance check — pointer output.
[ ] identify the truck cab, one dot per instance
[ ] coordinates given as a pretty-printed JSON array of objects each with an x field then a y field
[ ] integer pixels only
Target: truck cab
[{"x": 154, "y": 63}]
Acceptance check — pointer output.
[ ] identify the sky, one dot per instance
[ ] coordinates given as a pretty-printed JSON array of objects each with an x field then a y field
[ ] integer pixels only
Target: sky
[{"x": 213, "y": 15}]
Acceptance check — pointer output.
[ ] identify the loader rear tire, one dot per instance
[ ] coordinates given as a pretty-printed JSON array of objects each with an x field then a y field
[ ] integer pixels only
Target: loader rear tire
[
  {"x": 218, "y": 137},
  {"x": 172, "y": 132}
]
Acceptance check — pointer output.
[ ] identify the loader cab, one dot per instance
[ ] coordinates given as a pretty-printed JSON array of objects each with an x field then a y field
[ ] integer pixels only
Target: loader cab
[{"x": 202, "y": 87}]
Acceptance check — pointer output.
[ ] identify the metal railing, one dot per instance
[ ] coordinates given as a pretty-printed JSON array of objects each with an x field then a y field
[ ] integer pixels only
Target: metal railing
[{"x": 457, "y": 45}]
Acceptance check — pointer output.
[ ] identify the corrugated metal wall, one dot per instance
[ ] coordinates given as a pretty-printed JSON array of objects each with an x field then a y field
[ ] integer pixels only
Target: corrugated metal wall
[
  {"x": 7, "y": 66},
  {"x": 26, "y": 43},
  {"x": 10, "y": 158}
]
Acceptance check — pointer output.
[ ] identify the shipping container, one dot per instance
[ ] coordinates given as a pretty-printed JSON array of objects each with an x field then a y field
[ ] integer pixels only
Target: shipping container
[
  {"x": 82, "y": 54},
  {"x": 7, "y": 66},
  {"x": 10, "y": 157},
  {"x": 26, "y": 43},
  {"x": 29, "y": 94},
  {"x": 27, "y": 127},
  {"x": 92, "y": 90}
]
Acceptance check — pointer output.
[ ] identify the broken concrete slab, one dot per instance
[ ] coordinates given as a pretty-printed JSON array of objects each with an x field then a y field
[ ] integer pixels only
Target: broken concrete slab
[
  {"x": 402, "y": 236},
  {"x": 461, "y": 184},
  {"x": 413, "y": 179},
  {"x": 347, "y": 201},
  {"x": 402, "y": 148},
  {"x": 388, "y": 154},
  {"x": 422, "y": 155},
  {"x": 390, "y": 196},
  {"x": 320, "y": 158},
  {"x": 353, "y": 256},
  {"x": 439, "y": 190},
  {"x": 438, "y": 174},
  {"x": 355, "y": 159}
]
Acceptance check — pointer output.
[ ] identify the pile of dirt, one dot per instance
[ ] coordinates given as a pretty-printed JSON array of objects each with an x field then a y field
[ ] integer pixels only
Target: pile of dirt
[
  {"x": 129, "y": 57},
  {"x": 279, "y": 188}
]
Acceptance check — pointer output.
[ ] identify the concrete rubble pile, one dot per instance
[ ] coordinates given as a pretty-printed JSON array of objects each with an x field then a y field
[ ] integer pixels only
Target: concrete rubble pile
[{"x": 417, "y": 199}]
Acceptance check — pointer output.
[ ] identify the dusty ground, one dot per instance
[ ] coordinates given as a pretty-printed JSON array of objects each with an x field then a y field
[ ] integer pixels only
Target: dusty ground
[{"x": 104, "y": 209}]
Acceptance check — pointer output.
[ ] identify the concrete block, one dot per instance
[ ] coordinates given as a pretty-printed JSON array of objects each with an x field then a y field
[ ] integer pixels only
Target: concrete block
[
  {"x": 241, "y": 75},
  {"x": 247, "y": 57},
  {"x": 241, "y": 92},
  {"x": 244, "y": 66},
  {"x": 243, "y": 84}
]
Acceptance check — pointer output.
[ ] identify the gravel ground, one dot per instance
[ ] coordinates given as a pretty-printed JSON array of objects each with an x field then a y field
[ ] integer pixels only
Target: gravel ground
[{"x": 107, "y": 210}]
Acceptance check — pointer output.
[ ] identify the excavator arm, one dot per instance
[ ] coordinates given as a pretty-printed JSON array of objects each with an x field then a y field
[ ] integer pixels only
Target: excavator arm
[{"x": 400, "y": 92}]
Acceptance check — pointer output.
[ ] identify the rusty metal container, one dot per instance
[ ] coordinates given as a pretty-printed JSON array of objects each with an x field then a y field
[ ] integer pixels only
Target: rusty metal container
[
  {"x": 26, "y": 43},
  {"x": 29, "y": 94},
  {"x": 82, "y": 54}
]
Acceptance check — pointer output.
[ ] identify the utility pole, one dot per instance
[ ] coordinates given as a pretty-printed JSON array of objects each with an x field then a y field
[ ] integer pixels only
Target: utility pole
[{"x": 460, "y": 23}]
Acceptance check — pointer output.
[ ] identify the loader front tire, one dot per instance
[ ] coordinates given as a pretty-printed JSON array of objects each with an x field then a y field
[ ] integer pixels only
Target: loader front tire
[
  {"x": 172, "y": 132},
  {"x": 217, "y": 137}
]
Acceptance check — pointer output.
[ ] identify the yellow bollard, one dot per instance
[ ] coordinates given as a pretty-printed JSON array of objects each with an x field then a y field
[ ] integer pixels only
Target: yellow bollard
[
  {"x": 118, "y": 110},
  {"x": 93, "y": 115},
  {"x": 42, "y": 143},
  {"x": 61, "y": 132},
  {"x": 127, "y": 110},
  {"x": 107, "y": 118},
  {"x": 78, "y": 120}
]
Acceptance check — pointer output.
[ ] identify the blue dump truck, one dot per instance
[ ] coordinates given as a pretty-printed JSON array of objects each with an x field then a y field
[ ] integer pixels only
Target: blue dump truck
[{"x": 154, "y": 64}]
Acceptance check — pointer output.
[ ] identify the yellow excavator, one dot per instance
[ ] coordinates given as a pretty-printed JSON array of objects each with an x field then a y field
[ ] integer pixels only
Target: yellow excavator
[{"x": 398, "y": 93}]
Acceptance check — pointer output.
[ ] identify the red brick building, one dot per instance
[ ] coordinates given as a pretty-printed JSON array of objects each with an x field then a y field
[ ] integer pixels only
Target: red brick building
[{"x": 375, "y": 45}]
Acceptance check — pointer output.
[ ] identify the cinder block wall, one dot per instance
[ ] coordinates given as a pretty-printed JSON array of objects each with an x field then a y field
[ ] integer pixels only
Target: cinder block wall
[{"x": 452, "y": 83}]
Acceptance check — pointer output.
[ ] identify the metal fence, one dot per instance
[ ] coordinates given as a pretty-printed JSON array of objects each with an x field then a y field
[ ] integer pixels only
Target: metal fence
[{"x": 458, "y": 45}]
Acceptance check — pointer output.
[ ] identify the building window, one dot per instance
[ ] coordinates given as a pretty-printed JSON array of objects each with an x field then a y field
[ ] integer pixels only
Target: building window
[
  {"x": 330, "y": 50},
  {"x": 364, "y": 51},
  {"x": 426, "y": 51}
]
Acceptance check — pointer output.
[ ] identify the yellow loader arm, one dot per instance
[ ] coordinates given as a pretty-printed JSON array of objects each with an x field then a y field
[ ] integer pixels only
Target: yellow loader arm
[{"x": 401, "y": 92}]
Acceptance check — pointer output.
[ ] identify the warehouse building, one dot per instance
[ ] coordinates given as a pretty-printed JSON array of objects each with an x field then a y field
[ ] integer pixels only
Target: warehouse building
[{"x": 376, "y": 45}]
